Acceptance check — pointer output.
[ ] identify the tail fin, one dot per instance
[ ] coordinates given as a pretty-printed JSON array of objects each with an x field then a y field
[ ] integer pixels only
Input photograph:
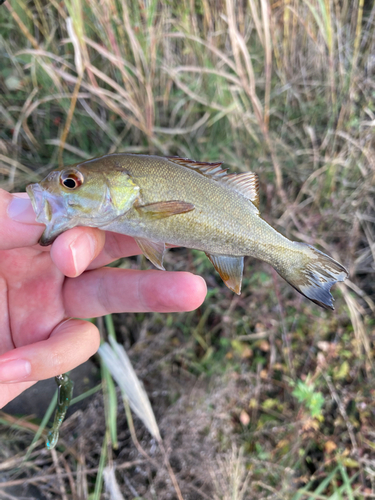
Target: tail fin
[{"x": 314, "y": 275}]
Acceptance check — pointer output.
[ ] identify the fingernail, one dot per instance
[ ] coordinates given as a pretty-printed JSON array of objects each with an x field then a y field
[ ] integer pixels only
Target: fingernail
[
  {"x": 79, "y": 248},
  {"x": 21, "y": 210},
  {"x": 15, "y": 370}
]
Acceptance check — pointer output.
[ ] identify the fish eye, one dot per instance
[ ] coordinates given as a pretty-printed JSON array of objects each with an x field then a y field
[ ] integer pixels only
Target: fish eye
[{"x": 71, "y": 179}]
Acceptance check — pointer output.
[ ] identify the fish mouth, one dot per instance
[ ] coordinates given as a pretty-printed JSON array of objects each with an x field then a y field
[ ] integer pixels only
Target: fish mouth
[
  {"x": 40, "y": 204},
  {"x": 47, "y": 208}
]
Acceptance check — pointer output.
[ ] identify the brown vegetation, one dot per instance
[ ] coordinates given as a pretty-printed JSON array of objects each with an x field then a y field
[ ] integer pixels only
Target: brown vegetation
[{"x": 262, "y": 396}]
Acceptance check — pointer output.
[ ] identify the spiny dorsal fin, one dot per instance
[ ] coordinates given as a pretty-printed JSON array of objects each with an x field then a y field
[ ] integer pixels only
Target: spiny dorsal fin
[
  {"x": 212, "y": 170},
  {"x": 247, "y": 183}
]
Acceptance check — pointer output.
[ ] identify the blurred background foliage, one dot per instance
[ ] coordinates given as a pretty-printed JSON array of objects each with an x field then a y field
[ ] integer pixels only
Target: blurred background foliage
[{"x": 259, "y": 396}]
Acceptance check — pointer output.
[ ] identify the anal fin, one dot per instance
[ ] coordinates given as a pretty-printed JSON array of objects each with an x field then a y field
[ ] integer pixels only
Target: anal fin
[
  {"x": 230, "y": 270},
  {"x": 153, "y": 250}
]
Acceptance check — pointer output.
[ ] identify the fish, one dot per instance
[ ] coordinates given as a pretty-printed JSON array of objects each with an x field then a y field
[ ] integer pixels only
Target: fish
[{"x": 165, "y": 201}]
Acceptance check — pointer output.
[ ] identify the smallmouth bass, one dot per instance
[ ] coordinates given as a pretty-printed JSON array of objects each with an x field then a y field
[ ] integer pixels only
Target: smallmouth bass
[{"x": 177, "y": 201}]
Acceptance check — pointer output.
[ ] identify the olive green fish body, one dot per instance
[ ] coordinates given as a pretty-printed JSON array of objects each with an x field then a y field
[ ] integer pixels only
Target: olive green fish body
[
  {"x": 160, "y": 200},
  {"x": 223, "y": 221}
]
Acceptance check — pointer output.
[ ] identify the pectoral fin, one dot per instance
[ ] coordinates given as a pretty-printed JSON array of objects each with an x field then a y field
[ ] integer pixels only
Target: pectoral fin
[
  {"x": 230, "y": 270},
  {"x": 163, "y": 209},
  {"x": 154, "y": 251}
]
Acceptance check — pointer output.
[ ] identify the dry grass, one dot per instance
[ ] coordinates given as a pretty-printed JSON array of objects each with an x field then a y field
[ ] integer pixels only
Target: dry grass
[{"x": 284, "y": 88}]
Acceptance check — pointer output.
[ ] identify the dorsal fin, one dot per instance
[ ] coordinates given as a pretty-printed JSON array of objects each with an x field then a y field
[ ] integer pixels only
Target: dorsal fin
[
  {"x": 212, "y": 170},
  {"x": 247, "y": 183}
]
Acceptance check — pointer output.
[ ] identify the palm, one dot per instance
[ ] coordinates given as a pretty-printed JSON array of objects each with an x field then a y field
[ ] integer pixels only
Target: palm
[
  {"x": 31, "y": 292},
  {"x": 34, "y": 298}
]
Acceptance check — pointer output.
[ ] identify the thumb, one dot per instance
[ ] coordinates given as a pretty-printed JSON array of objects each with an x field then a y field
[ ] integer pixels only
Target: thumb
[{"x": 18, "y": 227}]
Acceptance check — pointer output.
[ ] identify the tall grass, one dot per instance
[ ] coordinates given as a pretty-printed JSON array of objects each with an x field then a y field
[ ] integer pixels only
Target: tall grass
[{"x": 284, "y": 88}]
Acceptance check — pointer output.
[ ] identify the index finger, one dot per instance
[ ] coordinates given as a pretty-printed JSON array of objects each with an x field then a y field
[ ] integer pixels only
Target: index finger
[{"x": 116, "y": 247}]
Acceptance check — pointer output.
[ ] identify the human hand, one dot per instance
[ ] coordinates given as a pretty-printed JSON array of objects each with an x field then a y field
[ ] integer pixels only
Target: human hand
[{"x": 42, "y": 289}]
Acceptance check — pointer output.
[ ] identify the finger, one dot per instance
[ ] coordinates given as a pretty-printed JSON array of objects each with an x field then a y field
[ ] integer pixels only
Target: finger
[
  {"x": 75, "y": 249},
  {"x": 116, "y": 246},
  {"x": 18, "y": 227},
  {"x": 70, "y": 344},
  {"x": 109, "y": 290}
]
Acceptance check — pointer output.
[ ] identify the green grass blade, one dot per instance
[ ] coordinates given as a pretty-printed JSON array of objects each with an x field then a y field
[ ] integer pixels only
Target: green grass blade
[
  {"x": 43, "y": 424},
  {"x": 86, "y": 394},
  {"x": 318, "y": 20},
  {"x": 346, "y": 488},
  {"x": 324, "y": 484},
  {"x": 99, "y": 477},
  {"x": 110, "y": 326},
  {"x": 151, "y": 9},
  {"x": 110, "y": 405}
]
